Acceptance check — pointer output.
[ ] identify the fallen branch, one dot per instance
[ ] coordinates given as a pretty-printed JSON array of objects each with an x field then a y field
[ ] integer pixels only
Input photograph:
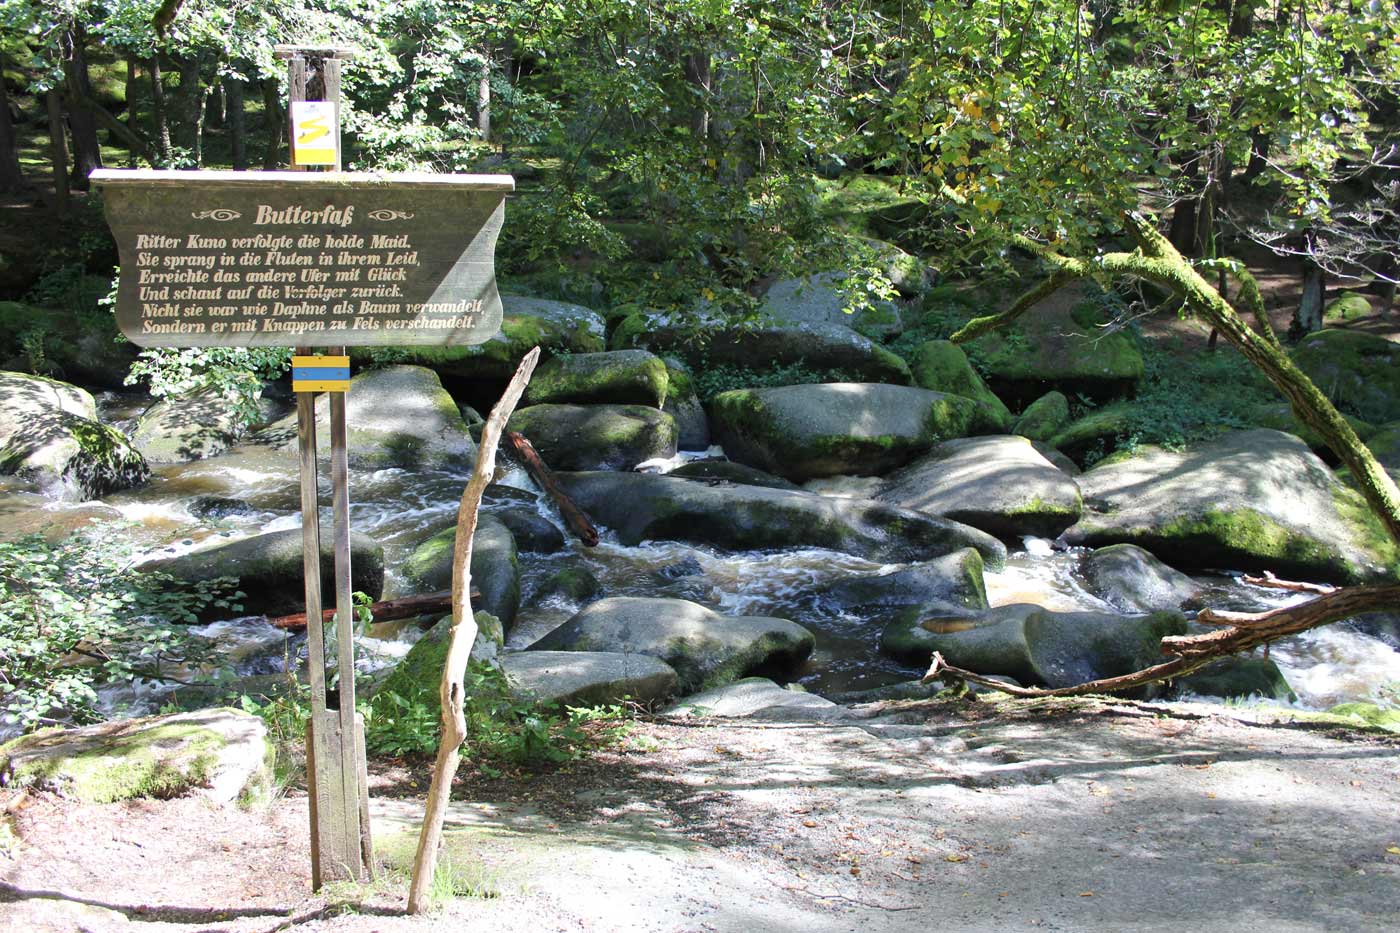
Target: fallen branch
[
  {"x": 578, "y": 521},
  {"x": 1267, "y": 579},
  {"x": 387, "y": 610},
  {"x": 452, "y": 691},
  {"x": 1244, "y": 632}
]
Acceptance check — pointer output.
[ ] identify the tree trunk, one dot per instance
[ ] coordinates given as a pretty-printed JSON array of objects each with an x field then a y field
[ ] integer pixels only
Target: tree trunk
[
  {"x": 1308, "y": 317},
  {"x": 237, "y": 122},
  {"x": 697, "y": 75},
  {"x": 131, "y": 85},
  {"x": 58, "y": 151},
  {"x": 159, "y": 115},
  {"x": 483, "y": 98},
  {"x": 454, "y": 669},
  {"x": 87, "y": 152},
  {"x": 11, "y": 178},
  {"x": 272, "y": 114}
]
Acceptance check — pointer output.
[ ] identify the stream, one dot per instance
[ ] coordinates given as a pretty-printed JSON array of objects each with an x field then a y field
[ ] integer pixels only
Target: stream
[{"x": 185, "y": 506}]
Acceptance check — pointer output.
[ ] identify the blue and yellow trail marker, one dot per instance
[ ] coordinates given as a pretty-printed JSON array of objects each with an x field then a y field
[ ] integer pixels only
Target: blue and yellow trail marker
[{"x": 320, "y": 373}]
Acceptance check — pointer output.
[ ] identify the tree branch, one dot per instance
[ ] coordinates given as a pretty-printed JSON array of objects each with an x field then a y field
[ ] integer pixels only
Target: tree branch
[{"x": 452, "y": 690}]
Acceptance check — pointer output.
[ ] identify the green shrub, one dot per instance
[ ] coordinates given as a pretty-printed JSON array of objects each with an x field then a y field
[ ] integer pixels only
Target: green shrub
[{"x": 77, "y": 614}]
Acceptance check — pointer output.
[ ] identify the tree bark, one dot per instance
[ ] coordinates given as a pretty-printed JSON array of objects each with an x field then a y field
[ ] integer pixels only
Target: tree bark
[
  {"x": 11, "y": 178},
  {"x": 387, "y": 610},
  {"x": 452, "y": 690},
  {"x": 272, "y": 114},
  {"x": 697, "y": 75},
  {"x": 483, "y": 98},
  {"x": 160, "y": 117},
  {"x": 237, "y": 122},
  {"x": 58, "y": 151},
  {"x": 131, "y": 85},
  {"x": 87, "y": 152},
  {"x": 1308, "y": 318}
]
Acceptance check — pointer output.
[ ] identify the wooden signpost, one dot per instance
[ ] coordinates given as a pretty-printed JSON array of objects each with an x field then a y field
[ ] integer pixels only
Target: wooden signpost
[{"x": 314, "y": 260}]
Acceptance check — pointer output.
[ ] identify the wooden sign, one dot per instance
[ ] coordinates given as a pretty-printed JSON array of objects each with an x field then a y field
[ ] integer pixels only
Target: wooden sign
[{"x": 276, "y": 259}]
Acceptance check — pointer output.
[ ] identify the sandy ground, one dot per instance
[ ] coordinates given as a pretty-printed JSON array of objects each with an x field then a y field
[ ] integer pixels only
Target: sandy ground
[{"x": 959, "y": 816}]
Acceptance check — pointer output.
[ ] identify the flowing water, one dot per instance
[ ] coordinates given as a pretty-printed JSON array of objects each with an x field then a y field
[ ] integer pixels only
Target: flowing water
[{"x": 253, "y": 490}]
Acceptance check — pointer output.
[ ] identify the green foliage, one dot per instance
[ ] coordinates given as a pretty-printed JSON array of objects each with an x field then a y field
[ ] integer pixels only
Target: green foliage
[
  {"x": 236, "y": 373},
  {"x": 500, "y": 727},
  {"x": 77, "y": 614},
  {"x": 712, "y": 380}
]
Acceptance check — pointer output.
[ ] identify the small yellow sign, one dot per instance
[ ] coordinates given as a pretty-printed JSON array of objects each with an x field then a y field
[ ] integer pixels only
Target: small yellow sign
[{"x": 315, "y": 132}]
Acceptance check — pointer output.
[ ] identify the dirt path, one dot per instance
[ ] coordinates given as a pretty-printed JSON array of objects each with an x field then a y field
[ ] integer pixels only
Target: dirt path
[{"x": 956, "y": 816}]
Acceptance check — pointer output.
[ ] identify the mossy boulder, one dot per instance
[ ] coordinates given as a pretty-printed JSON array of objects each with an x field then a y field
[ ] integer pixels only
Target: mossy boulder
[
  {"x": 49, "y": 433},
  {"x": 593, "y": 437},
  {"x": 222, "y": 754},
  {"x": 1248, "y": 500},
  {"x": 1001, "y": 485},
  {"x": 532, "y": 531},
  {"x": 705, "y": 341},
  {"x": 623, "y": 377},
  {"x": 706, "y": 649},
  {"x": 1034, "y": 645},
  {"x": 1043, "y": 418},
  {"x": 942, "y": 366},
  {"x": 955, "y": 579},
  {"x": 1385, "y": 444},
  {"x": 589, "y": 678},
  {"x": 495, "y": 567},
  {"x": 1239, "y": 679},
  {"x": 1091, "y": 436},
  {"x": 526, "y": 323},
  {"x": 1347, "y": 306},
  {"x": 806, "y": 431},
  {"x": 79, "y": 343},
  {"x": 182, "y": 428},
  {"x": 1359, "y": 372},
  {"x": 1369, "y": 714},
  {"x": 1280, "y": 417},
  {"x": 400, "y": 416},
  {"x": 640, "y": 507},
  {"x": 1067, "y": 348},
  {"x": 909, "y": 274},
  {"x": 683, "y": 404},
  {"x": 819, "y": 299},
  {"x": 268, "y": 568},
  {"x": 727, "y": 471},
  {"x": 417, "y": 675},
  {"x": 1133, "y": 580},
  {"x": 574, "y": 584}
]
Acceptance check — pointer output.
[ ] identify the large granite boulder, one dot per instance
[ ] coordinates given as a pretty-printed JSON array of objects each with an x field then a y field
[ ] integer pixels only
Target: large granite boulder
[
  {"x": 221, "y": 754},
  {"x": 641, "y": 507},
  {"x": 400, "y": 416},
  {"x": 622, "y": 377},
  {"x": 1061, "y": 345},
  {"x": 1132, "y": 580},
  {"x": 1360, "y": 372},
  {"x": 727, "y": 471},
  {"x": 806, "y": 431},
  {"x": 1248, "y": 500},
  {"x": 1035, "y": 645},
  {"x": 179, "y": 429},
  {"x": 941, "y": 365},
  {"x": 1385, "y": 444},
  {"x": 1239, "y": 679},
  {"x": 1280, "y": 417},
  {"x": 818, "y": 299},
  {"x": 683, "y": 403},
  {"x": 1001, "y": 485},
  {"x": 1043, "y": 418},
  {"x": 705, "y": 341},
  {"x": 1089, "y": 437},
  {"x": 588, "y": 678},
  {"x": 526, "y": 323},
  {"x": 495, "y": 567},
  {"x": 756, "y": 698},
  {"x": 49, "y": 433},
  {"x": 269, "y": 571},
  {"x": 596, "y": 437},
  {"x": 706, "y": 649},
  {"x": 955, "y": 579}
]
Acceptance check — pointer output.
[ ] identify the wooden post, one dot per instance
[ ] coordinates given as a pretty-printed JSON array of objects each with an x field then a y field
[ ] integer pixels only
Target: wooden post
[{"x": 337, "y": 777}]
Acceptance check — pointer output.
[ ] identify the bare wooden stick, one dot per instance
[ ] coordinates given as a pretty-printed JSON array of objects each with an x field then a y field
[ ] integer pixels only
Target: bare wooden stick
[
  {"x": 454, "y": 669},
  {"x": 1272, "y": 582},
  {"x": 1244, "y": 632},
  {"x": 387, "y": 610},
  {"x": 577, "y": 520}
]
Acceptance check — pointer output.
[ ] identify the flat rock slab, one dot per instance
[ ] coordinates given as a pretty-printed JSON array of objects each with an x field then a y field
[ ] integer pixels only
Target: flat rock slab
[
  {"x": 705, "y": 648},
  {"x": 588, "y": 678},
  {"x": 1001, "y": 485},
  {"x": 642, "y": 507},
  {"x": 1249, "y": 500},
  {"x": 757, "y": 698},
  {"x": 845, "y": 428},
  {"x": 217, "y": 753}
]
